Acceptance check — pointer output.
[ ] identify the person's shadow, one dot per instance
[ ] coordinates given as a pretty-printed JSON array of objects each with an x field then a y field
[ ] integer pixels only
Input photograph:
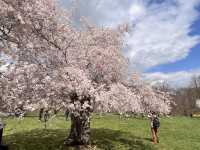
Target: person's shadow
[{"x": 102, "y": 139}]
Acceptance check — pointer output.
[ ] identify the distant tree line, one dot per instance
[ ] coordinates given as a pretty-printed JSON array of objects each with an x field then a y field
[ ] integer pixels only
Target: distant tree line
[{"x": 184, "y": 98}]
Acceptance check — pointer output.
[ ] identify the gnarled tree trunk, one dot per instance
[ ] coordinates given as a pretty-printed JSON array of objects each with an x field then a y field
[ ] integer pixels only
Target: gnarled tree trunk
[
  {"x": 80, "y": 122},
  {"x": 80, "y": 129}
]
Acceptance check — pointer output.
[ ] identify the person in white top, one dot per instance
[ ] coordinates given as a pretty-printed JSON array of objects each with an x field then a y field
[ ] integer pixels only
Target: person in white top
[{"x": 154, "y": 124}]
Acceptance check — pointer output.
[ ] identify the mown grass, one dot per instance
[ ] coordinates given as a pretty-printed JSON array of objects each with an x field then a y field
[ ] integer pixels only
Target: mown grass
[{"x": 108, "y": 133}]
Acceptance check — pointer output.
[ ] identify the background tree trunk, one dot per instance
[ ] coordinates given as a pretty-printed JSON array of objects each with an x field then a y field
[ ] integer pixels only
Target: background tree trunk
[{"x": 80, "y": 129}]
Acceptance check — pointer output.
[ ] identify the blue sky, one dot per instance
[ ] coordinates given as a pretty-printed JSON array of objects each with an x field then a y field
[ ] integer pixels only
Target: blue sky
[
  {"x": 191, "y": 62},
  {"x": 164, "y": 39}
]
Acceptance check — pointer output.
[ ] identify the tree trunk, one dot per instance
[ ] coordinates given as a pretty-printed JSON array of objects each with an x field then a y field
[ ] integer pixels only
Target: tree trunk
[{"x": 80, "y": 129}]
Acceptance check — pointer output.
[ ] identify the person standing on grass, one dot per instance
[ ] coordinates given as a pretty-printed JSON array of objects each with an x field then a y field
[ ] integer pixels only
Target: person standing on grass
[
  {"x": 1, "y": 130},
  {"x": 67, "y": 113},
  {"x": 41, "y": 113},
  {"x": 155, "y": 124}
]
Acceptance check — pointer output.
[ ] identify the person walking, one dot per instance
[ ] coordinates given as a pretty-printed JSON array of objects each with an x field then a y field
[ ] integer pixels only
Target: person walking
[{"x": 155, "y": 124}]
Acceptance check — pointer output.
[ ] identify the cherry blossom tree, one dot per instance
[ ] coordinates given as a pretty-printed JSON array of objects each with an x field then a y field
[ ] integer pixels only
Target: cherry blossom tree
[{"x": 56, "y": 65}]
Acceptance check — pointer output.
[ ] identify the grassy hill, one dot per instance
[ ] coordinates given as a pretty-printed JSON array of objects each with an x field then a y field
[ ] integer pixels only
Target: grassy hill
[{"x": 108, "y": 133}]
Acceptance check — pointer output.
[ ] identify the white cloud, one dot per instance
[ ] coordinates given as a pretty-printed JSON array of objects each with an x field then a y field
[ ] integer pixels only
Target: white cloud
[
  {"x": 162, "y": 36},
  {"x": 175, "y": 79},
  {"x": 160, "y": 31},
  {"x": 136, "y": 11}
]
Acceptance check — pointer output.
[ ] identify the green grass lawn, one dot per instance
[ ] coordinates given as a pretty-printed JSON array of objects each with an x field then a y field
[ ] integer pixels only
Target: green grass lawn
[{"x": 108, "y": 133}]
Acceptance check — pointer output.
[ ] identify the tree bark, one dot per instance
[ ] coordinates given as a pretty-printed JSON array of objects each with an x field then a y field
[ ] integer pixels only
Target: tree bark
[{"x": 80, "y": 129}]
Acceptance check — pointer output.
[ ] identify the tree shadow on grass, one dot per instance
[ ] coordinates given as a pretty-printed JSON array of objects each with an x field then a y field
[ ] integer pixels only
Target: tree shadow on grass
[
  {"x": 104, "y": 139},
  {"x": 38, "y": 139},
  {"x": 108, "y": 139}
]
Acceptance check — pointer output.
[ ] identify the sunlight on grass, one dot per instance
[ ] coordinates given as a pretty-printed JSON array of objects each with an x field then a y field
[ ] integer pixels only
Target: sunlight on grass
[{"x": 108, "y": 133}]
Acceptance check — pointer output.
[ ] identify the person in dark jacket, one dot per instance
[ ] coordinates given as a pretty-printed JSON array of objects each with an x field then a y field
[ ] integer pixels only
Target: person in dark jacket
[
  {"x": 155, "y": 124},
  {"x": 1, "y": 130}
]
